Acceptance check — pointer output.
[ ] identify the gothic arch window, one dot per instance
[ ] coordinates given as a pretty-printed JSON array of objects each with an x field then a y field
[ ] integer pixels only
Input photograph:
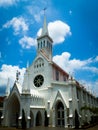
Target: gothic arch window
[
  {"x": 41, "y": 45},
  {"x": 77, "y": 94},
  {"x": 47, "y": 44},
  {"x": 64, "y": 78},
  {"x": 39, "y": 63},
  {"x": 57, "y": 75},
  {"x": 50, "y": 47},
  {"x": 44, "y": 44},
  {"x": 42, "y": 63}
]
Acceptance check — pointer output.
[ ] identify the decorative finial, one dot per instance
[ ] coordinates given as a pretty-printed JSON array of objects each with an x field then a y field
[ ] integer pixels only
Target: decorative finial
[
  {"x": 8, "y": 88},
  {"x": 17, "y": 75},
  {"x": 27, "y": 64}
]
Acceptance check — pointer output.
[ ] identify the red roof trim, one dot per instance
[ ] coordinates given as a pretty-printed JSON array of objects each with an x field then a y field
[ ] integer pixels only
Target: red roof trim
[{"x": 60, "y": 69}]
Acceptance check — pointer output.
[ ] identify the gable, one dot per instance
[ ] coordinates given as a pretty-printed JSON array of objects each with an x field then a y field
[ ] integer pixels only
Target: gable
[
  {"x": 58, "y": 73},
  {"x": 15, "y": 90},
  {"x": 59, "y": 97}
]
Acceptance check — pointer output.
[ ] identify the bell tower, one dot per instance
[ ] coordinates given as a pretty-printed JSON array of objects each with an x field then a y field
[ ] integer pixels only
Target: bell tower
[{"x": 44, "y": 42}]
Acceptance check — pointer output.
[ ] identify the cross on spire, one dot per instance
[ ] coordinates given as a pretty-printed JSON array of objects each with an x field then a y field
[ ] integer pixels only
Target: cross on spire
[{"x": 44, "y": 10}]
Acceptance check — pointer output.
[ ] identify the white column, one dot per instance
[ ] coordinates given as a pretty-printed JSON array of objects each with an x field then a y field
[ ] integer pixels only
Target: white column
[
  {"x": 65, "y": 118},
  {"x": 53, "y": 118},
  {"x": 20, "y": 116}
]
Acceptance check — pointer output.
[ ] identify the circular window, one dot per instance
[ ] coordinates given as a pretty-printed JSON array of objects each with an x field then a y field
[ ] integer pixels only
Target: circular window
[{"x": 38, "y": 80}]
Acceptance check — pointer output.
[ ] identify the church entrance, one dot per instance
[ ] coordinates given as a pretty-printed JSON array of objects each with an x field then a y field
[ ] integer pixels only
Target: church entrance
[
  {"x": 13, "y": 111},
  {"x": 60, "y": 114},
  {"x": 38, "y": 119}
]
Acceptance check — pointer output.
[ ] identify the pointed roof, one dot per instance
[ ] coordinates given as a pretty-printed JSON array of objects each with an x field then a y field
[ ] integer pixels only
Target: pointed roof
[{"x": 44, "y": 29}]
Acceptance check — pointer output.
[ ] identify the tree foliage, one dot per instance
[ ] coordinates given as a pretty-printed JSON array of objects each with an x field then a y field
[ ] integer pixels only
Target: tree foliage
[{"x": 94, "y": 110}]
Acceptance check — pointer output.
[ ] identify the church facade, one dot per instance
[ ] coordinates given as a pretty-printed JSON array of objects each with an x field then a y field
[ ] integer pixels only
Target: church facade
[{"x": 49, "y": 95}]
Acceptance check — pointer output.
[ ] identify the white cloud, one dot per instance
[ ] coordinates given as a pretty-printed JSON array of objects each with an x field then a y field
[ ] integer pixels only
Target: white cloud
[
  {"x": 71, "y": 65},
  {"x": 18, "y": 25},
  {"x": 58, "y": 30},
  {"x": 66, "y": 63},
  {"x": 37, "y": 17},
  {"x": 90, "y": 86},
  {"x": 92, "y": 69},
  {"x": 9, "y": 71},
  {"x": 27, "y": 42},
  {"x": 5, "y": 3},
  {"x": 96, "y": 59},
  {"x": 36, "y": 12}
]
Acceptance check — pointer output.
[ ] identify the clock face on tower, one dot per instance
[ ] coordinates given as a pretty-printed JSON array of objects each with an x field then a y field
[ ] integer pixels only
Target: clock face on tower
[{"x": 38, "y": 80}]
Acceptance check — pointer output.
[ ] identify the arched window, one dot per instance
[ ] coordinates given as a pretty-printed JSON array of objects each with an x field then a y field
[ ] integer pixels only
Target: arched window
[
  {"x": 57, "y": 75},
  {"x": 44, "y": 44},
  {"x": 64, "y": 77},
  {"x": 39, "y": 63},
  {"x": 41, "y": 45}
]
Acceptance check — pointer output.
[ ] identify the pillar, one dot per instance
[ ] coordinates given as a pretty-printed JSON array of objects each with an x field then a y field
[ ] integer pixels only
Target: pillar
[
  {"x": 20, "y": 117},
  {"x": 53, "y": 117},
  {"x": 65, "y": 118}
]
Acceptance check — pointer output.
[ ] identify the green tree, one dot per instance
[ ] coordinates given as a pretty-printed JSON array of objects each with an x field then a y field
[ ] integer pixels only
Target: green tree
[{"x": 94, "y": 110}]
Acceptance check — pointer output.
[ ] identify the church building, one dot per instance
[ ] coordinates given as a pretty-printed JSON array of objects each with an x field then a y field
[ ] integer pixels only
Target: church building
[{"x": 48, "y": 96}]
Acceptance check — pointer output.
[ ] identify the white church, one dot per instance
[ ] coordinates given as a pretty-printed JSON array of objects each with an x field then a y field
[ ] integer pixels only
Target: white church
[{"x": 48, "y": 95}]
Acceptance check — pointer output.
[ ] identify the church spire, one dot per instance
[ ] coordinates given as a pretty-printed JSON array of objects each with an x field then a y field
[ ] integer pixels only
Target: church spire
[
  {"x": 44, "y": 42},
  {"x": 44, "y": 29}
]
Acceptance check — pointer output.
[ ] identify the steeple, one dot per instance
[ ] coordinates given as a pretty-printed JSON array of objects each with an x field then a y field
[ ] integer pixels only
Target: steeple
[
  {"x": 44, "y": 42},
  {"x": 44, "y": 29}
]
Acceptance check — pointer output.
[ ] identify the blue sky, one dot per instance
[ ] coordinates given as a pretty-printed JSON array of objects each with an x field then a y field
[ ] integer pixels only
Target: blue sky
[{"x": 73, "y": 25}]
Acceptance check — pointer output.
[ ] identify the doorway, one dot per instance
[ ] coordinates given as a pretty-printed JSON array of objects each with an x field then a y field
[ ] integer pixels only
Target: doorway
[
  {"x": 13, "y": 109},
  {"x": 60, "y": 122}
]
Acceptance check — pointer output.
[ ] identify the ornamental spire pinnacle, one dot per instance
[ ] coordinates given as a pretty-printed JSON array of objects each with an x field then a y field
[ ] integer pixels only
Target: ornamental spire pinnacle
[
  {"x": 8, "y": 88},
  {"x": 44, "y": 29}
]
